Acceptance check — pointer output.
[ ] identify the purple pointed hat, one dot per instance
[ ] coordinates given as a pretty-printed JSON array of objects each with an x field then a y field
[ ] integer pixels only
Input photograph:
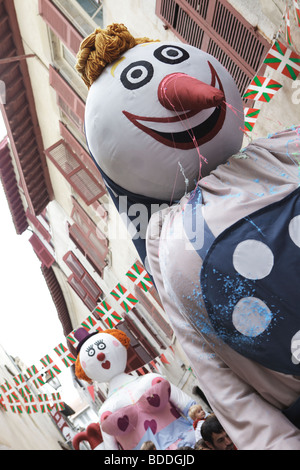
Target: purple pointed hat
[{"x": 81, "y": 334}]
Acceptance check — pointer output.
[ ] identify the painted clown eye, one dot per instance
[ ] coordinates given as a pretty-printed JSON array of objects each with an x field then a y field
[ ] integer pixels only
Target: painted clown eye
[
  {"x": 90, "y": 350},
  {"x": 100, "y": 344},
  {"x": 137, "y": 75},
  {"x": 171, "y": 54}
]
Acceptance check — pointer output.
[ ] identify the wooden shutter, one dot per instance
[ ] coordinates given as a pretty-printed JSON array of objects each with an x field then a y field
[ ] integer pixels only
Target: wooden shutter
[
  {"x": 88, "y": 237},
  {"x": 73, "y": 169},
  {"x": 41, "y": 251},
  {"x": 38, "y": 225},
  {"x": 59, "y": 24},
  {"x": 137, "y": 356},
  {"x": 73, "y": 105},
  {"x": 82, "y": 282},
  {"x": 217, "y": 28}
]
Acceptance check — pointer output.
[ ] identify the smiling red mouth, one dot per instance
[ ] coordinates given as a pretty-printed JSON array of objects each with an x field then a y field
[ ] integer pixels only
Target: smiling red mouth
[
  {"x": 188, "y": 138},
  {"x": 106, "y": 365}
]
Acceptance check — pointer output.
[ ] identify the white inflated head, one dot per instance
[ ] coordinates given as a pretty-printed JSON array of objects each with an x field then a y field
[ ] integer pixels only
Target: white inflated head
[
  {"x": 144, "y": 138},
  {"x": 102, "y": 357}
]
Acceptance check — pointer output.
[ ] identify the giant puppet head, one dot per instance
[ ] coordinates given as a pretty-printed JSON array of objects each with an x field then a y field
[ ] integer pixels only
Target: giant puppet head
[{"x": 156, "y": 117}]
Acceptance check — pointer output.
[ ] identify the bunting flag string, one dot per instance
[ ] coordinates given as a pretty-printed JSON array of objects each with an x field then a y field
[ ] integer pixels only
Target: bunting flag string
[{"x": 103, "y": 313}]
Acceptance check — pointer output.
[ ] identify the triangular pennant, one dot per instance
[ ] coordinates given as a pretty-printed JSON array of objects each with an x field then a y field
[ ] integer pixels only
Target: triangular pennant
[{"x": 91, "y": 391}]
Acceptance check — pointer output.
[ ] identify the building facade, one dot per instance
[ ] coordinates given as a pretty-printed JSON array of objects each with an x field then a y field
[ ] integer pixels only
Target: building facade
[{"x": 51, "y": 183}]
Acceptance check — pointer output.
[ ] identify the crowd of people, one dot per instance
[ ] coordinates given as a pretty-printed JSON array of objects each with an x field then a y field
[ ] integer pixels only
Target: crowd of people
[{"x": 209, "y": 433}]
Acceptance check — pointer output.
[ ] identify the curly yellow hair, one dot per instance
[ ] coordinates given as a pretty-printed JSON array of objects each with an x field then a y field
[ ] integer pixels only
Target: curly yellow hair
[
  {"x": 102, "y": 47},
  {"x": 119, "y": 335}
]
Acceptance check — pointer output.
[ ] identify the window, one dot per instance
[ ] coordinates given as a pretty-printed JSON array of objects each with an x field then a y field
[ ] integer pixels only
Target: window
[
  {"x": 88, "y": 238},
  {"x": 93, "y": 9},
  {"x": 62, "y": 27},
  {"x": 218, "y": 29},
  {"x": 73, "y": 169},
  {"x": 67, "y": 99},
  {"x": 82, "y": 283}
]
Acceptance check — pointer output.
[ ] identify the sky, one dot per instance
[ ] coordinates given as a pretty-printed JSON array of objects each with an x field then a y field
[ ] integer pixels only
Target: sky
[{"x": 29, "y": 325}]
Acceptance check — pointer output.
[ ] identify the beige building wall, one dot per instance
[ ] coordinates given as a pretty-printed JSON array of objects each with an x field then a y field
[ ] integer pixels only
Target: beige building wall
[{"x": 22, "y": 431}]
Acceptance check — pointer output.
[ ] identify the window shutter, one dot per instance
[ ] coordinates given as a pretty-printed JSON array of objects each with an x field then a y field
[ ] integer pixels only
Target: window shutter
[
  {"x": 73, "y": 169},
  {"x": 60, "y": 25},
  {"x": 217, "y": 28},
  {"x": 68, "y": 96},
  {"x": 38, "y": 225},
  {"x": 82, "y": 282},
  {"x": 137, "y": 356},
  {"x": 41, "y": 251}
]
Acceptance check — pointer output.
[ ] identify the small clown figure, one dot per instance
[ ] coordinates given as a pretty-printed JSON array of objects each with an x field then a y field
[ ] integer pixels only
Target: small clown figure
[{"x": 137, "y": 409}]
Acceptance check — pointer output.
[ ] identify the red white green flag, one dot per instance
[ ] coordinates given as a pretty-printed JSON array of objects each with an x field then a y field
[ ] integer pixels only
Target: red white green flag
[
  {"x": 297, "y": 11},
  {"x": 35, "y": 377},
  {"x": 284, "y": 60},
  {"x": 139, "y": 276},
  {"x": 107, "y": 314},
  {"x": 30, "y": 404},
  {"x": 50, "y": 366},
  {"x": 2, "y": 403},
  {"x": 92, "y": 325},
  {"x": 262, "y": 89},
  {"x": 21, "y": 385},
  {"x": 65, "y": 355},
  {"x": 288, "y": 36},
  {"x": 11, "y": 397},
  {"x": 72, "y": 338},
  {"x": 251, "y": 115},
  {"x": 124, "y": 298},
  {"x": 44, "y": 402},
  {"x": 57, "y": 402}
]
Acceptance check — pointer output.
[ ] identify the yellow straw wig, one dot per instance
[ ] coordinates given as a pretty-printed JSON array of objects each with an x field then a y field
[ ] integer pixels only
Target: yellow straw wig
[{"x": 102, "y": 47}]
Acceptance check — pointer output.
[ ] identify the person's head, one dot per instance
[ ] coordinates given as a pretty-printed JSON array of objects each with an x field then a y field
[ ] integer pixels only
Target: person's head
[
  {"x": 196, "y": 412},
  {"x": 214, "y": 436},
  {"x": 148, "y": 445},
  {"x": 201, "y": 445}
]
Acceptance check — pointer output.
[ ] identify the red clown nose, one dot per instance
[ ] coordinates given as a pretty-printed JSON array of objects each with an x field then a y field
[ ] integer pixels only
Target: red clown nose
[{"x": 180, "y": 92}]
